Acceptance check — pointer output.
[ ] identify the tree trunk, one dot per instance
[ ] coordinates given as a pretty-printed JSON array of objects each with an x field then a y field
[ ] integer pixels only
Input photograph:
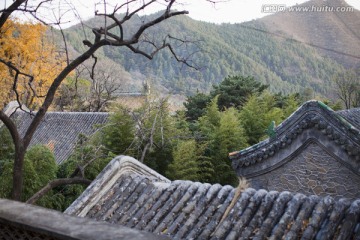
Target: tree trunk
[{"x": 18, "y": 173}]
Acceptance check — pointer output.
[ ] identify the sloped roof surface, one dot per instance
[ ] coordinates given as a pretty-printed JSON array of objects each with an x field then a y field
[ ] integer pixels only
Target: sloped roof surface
[
  {"x": 60, "y": 130},
  {"x": 192, "y": 210},
  {"x": 352, "y": 116}
]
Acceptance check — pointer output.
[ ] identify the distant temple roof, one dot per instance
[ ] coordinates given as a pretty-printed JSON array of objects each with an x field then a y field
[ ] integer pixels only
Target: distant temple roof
[
  {"x": 60, "y": 130},
  {"x": 338, "y": 132},
  {"x": 128, "y": 193}
]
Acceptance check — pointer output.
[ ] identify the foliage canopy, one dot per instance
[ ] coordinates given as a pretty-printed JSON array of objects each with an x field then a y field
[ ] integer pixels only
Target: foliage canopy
[{"x": 27, "y": 48}]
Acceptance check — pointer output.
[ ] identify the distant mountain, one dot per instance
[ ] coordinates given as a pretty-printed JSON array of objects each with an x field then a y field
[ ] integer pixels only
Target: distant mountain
[
  {"x": 335, "y": 27},
  {"x": 266, "y": 49}
]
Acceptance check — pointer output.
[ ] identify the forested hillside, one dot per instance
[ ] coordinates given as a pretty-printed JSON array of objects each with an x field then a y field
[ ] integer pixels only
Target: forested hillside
[{"x": 247, "y": 49}]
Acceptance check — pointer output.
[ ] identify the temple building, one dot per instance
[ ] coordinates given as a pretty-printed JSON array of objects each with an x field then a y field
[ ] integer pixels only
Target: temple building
[{"x": 315, "y": 151}]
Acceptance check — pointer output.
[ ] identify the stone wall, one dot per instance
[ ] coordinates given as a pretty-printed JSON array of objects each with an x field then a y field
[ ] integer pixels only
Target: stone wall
[
  {"x": 21, "y": 221},
  {"x": 312, "y": 171}
]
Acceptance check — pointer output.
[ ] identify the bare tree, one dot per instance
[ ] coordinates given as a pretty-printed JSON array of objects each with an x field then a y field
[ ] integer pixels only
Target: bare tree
[
  {"x": 92, "y": 91},
  {"x": 106, "y": 82},
  {"x": 348, "y": 88},
  {"x": 150, "y": 123},
  {"x": 102, "y": 36}
]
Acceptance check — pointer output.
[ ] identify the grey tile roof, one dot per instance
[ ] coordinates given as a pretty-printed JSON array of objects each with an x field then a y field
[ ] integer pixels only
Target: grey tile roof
[
  {"x": 123, "y": 194},
  {"x": 61, "y": 129},
  {"x": 352, "y": 116},
  {"x": 316, "y": 121}
]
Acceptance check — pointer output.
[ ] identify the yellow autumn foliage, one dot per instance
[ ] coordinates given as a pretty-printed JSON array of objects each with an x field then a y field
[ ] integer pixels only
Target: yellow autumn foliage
[{"x": 27, "y": 48}]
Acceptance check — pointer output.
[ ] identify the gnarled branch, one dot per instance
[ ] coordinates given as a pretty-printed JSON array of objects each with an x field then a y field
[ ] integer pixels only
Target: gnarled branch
[{"x": 56, "y": 183}]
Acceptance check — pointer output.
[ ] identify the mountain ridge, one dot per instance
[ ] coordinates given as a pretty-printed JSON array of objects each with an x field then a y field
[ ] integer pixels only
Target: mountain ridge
[
  {"x": 344, "y": 38},
  {"x": 258, "y": 48}
]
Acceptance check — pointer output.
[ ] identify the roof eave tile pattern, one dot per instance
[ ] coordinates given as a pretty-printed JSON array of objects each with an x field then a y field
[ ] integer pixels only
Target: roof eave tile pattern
[
  {"x": 192, "y": 210},
  {"x": 340, "y": 128}
]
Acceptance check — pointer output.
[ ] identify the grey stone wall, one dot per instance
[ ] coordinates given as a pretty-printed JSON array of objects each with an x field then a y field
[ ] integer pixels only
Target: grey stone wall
[
  {"x": 312, "y": 171},
  {"x": 19, "y": 221}
]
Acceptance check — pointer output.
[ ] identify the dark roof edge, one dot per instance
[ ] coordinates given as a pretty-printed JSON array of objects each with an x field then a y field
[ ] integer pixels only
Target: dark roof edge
[
  {"x": 14, "y": 106},
  {"x": 120, "y": 165},
  {"x": 312, "y": 114},
  {"x": 74, "y": 113}
]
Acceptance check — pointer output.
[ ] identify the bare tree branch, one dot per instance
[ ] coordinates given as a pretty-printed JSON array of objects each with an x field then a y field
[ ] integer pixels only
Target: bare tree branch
[
  {"x": 103, "y": 37},
  {"x": 347, "y": 87},
  {"x": 5, "y": 14},
  {"x": 16, "y": 80},
  {"x": 56, "y": 183},
  {"x": 147, "y": 25},
  {"x": 92, "y": 73},
  {"x": 65, "y": 46},
  {"x": 151, "y": 138}
]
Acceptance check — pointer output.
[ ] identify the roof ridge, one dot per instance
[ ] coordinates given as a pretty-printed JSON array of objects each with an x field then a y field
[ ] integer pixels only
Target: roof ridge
[
  {"x": 73, "y": 113},
  {"x": 312, "y": 114},
  {"x": 120, "y": 165}
]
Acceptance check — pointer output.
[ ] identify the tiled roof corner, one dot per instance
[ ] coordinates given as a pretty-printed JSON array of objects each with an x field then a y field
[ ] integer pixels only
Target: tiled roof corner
[
  {"x": 340, "y": 128},
  {"x": 119, "y": 166}
]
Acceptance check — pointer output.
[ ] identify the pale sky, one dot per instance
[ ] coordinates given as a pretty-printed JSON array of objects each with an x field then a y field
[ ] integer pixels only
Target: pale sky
[
  {"x": 236, "y": 11},
  {"x": 227, "y": 11}
]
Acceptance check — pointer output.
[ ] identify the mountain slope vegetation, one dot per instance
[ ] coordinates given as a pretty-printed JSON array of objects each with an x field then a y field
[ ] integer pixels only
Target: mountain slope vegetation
[
  {"x": 332, "y": 25},
  {"x": 250, "y": 49}
]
